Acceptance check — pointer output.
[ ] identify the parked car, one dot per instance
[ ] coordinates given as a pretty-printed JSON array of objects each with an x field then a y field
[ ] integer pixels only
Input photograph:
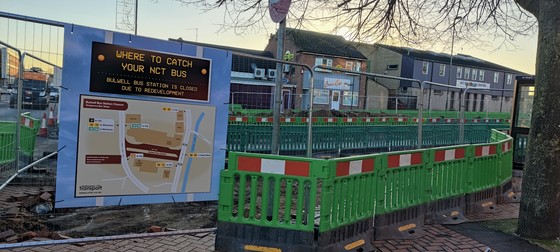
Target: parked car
[
  {"x": 34, "y": 94},
  {"x": 54, "y": 94}
]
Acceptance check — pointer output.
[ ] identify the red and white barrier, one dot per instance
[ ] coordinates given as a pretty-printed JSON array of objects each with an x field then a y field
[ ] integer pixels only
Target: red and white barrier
[
  {"x": 238, "y": 119},
  {"x": 273, "y": 166},
  {"x": 264, "y": 119},
  {"x": 396, "y": 161},
  {"x": 27, "y": 122},
  {"x": 506, "y": 146},
  {"x": 483, "y": 151},
  {"x": 449, "y": 155},
  {"x": 354, "y": 167}
]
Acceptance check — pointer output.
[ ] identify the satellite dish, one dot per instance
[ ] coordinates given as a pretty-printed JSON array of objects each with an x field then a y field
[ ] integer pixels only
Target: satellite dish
[{"x": 278, "y": 9}]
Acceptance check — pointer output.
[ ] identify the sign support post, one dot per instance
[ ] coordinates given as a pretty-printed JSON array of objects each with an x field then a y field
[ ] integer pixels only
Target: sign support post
[{"x": 278, "y": 89}]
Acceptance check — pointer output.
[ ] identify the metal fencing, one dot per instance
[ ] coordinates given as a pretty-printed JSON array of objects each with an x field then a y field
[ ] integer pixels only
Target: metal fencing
[
  {"x": 27, "y": 201},
  {"x": 260, "y": 104},
  {"x": 29, "y": 142}
]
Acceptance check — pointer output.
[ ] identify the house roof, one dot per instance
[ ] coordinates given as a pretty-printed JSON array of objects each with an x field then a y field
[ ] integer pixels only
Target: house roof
[
  {"x": 459, "y": 59},
  {"x": 322, "y": 43},
  {"x": 240, "y": 63}
]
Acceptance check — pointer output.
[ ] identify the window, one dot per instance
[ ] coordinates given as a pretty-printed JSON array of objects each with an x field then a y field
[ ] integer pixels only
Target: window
[
  {"x": 357, "y": 66},
  {"x": 496, "y": 77},
  {"x": 323, "y": 62},
  {"x": 438, "y": 92},
  {"x": 495, "y": 98},
  {"x": 320, "y": 96},
  {"x": 509, "y": 77},
  {"x": 350, "y": 98},
  {"x": 353, "y": 66},
  {"x": 474, "y": 74},
  {"x": 441, "y": 70},
  {"x": 482, "y": 102},
  {"x": 452, "y": 101},
  {"x": 393, "y": 67},
  {"x": 425, "y": 66},
  {"x": 349, "y": 65},
  {"x": 481, "y": 75},
  {"x": 467, "y": 73},
  {"x": 459, "y": 72}
]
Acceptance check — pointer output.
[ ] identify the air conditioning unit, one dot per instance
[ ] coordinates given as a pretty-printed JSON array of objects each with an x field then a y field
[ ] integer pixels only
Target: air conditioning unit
[
  {"x": 271, "y": 73},
  {"x": 259, "y": 73}
]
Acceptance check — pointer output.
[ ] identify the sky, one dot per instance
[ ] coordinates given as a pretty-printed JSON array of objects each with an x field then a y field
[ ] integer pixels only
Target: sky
[{"x": 166, "y": 19}]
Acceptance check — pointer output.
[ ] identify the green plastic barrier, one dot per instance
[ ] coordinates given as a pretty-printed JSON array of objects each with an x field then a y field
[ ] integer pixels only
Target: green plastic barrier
[
  {"x": 346, "y": 196},
  {"x": 403, "y": 176},
  {"x": 7, "y": 142},
  {"x": 271, "y": 191},
  {"x": 237, "y": 137},
  {"x": 28, "y": 130},
  {"x": 450, "y": 171},
  {"x": 307, "y": 194},
  {"x": 485, "y": 166},
  {"x": 402, "y": 137},
  {"x": 294, "y": 138}
]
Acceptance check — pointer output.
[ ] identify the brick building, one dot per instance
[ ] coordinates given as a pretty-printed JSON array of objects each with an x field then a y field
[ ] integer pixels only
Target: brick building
[
  {"x": 495, "y": 82},
  {"x": 332, "y": 90}
]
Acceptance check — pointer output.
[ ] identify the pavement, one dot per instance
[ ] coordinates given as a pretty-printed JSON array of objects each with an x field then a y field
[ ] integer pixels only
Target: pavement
[{"x": 469, "y": 236}]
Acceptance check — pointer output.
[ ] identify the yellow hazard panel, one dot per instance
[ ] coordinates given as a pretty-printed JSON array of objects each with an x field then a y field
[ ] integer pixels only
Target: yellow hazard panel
[
  {"x": 261, "y": 248},
  {"x": 355, "y": 244}
]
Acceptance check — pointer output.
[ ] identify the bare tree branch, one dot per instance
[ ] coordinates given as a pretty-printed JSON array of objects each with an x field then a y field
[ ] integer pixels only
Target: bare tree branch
[{"x": 422, "y": 23}]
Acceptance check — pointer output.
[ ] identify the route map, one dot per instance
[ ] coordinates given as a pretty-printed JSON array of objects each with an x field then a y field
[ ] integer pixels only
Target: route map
[{"x": 138, "y": 147}]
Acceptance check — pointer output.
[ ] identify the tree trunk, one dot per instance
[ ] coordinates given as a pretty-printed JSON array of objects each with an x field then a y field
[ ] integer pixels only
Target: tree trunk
[{"x": 539, "y": 213}]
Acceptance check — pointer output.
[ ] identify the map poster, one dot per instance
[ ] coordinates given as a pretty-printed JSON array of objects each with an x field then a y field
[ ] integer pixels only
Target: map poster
[
  {"x": 132, "y": 147},
  {"x": 142, "y": 120},
  {"x": 124, "y": 70}
]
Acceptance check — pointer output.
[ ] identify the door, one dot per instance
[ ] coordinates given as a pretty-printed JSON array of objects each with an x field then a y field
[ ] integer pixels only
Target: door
[
  {"x": 521, "y": 123},
  {"x": 335, "y": 100},
  {"x": 286, "y": 99}
]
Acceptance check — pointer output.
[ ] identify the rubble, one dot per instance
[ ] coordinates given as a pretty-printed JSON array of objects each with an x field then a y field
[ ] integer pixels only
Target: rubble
[
  {"x": 21, "y": 216},
  {"x": 28, "y": 214}
]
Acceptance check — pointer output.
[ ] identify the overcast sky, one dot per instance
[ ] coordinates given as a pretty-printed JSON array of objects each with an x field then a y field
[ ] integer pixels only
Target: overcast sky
[{"x": 168, "y": 19}]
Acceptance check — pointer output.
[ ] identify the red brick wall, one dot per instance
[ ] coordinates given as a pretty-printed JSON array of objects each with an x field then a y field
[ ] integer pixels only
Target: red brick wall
[{"x": 296, "y": 76}]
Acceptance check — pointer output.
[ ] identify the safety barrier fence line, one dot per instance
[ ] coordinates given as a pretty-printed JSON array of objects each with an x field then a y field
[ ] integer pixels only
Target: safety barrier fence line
[
  {"x": 408, "y": 113},
  {"x": 28, "y": 131},
  {"x": 357, "y": 188},
  {"x": 256, "y": 138},
  {"x": 389, "y": 120}
]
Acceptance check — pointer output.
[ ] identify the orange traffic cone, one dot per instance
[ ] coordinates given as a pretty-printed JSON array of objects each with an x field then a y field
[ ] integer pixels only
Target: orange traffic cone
[
  {"x": 51, "y": 120},
  {"x": 43, "y": 129}
]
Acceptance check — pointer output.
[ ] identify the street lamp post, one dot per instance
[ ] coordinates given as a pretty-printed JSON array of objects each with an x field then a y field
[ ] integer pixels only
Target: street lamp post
[{"x": 451, "y": 58}]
